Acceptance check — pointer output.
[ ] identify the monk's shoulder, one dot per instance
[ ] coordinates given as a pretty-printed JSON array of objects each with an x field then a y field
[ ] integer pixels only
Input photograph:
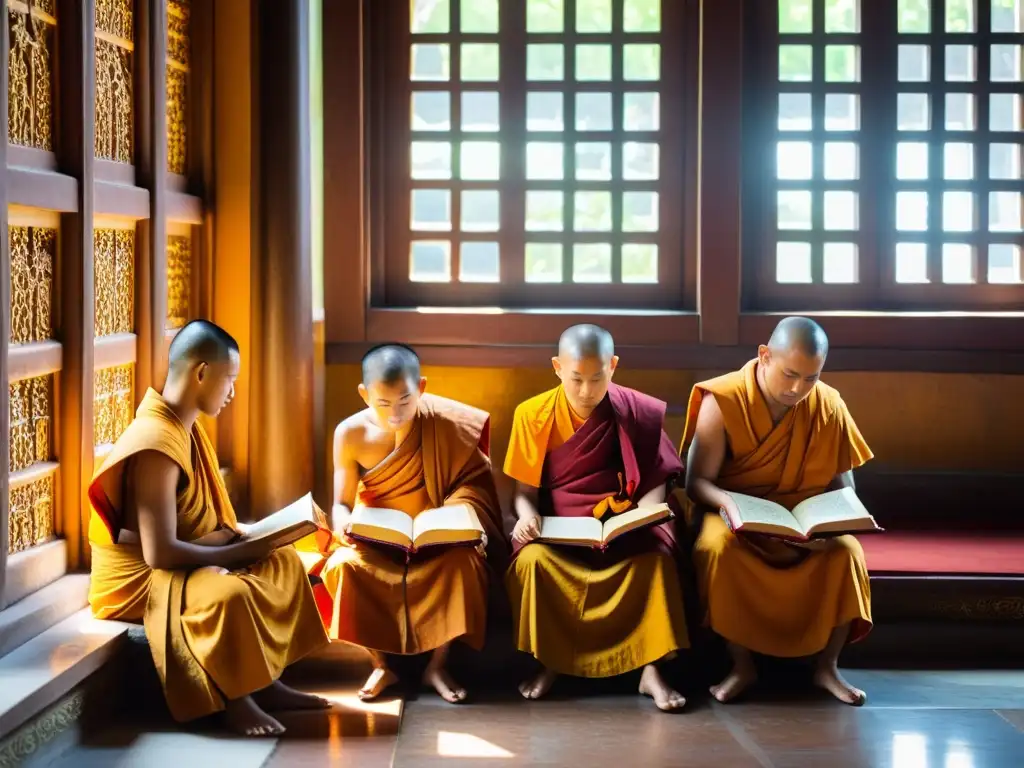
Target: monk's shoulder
[
  {"x": 352, "y": 432},
  {"x": 831, "y": 406},
  {"x": 536, "y": 409},
  {"x": 453, "y": 411},
  {"x": 646, "y": 408}
]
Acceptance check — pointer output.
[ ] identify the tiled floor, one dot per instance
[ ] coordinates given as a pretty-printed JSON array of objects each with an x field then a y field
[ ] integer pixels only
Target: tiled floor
[{"x": 913, "y": 720}]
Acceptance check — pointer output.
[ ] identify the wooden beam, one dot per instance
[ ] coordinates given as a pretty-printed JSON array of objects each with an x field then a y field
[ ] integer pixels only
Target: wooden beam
[
  {"x": 5, "y": 318},
  {"x": 721, "y": 136},
  {"x": 42, "y": 189},
  {"x": 77, "y": 287},
  {"x": 26, "y": 361}
]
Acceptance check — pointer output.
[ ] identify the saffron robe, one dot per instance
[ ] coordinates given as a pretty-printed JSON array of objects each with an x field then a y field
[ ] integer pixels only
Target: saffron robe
[
  {"x": 212, "y": 635},
  {"x": 771, "y": 597},
  {"x": 585, "y": 612},
  {"x": 378, "y": 597}
]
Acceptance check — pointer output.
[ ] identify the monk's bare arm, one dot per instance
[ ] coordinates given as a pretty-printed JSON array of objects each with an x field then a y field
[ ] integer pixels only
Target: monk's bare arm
[
  {"x": 347, "y": 440},
  {"x": 654, "y": 497},
  {"x": 706, "y": 456},
  {"x": 528, "y": 526},
  {"x": 155, "y": 482}
]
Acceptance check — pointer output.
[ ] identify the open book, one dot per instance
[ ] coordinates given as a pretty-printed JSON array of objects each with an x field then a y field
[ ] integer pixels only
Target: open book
[
  {"x": 591, "y": 532},
  {"x": 828, "y": 514},
  {"x": 288, "y": 525},
  {"x": 454, "y": 525}
]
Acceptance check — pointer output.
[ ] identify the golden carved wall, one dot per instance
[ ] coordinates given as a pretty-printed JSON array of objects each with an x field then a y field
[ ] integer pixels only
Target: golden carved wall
[
  {"x": 31, "y": 421},
  {"x": 113, "y": 403},
  {"x": 30, "y": 74},
  {"x": 114, "y": 264},
  {"x": 33, "y": 254},
  {"x": 31, "y": 514},
  {"x": 114, "y": 85},
  {"x": 178, "y": 44},
  {"x": 179, "y": 279}
]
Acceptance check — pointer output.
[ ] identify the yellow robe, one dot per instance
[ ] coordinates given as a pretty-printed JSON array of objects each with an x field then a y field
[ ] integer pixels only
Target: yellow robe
[
  {"x": 774, "y": 598},
  {"x": 579, "y": 612},
  {"x": 213, "y": 636},
  {"x": 379, "y": 598}
]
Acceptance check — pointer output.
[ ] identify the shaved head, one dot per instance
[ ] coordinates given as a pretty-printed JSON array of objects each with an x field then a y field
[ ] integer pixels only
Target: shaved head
[
  {"x": 799, "y": 334},
  {"x": 200, "y": 341},
  {"x": 584, "y": 341},
  {"x": 389, "y": 364}
]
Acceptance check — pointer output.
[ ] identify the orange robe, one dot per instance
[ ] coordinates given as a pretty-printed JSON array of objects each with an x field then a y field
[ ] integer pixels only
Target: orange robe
[
  {"x": 212, "y": 635},
  {"x": 581, "y": 612},
  {"x": 779, "y": 600},
  {"x": 379, "y": 598}
]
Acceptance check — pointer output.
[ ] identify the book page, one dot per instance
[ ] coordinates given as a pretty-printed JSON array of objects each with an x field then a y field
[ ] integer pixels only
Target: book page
[
  {"x": 299, "y": 515},
  {"x": 835, "y": 511},
  {"x": 635, "y": 518},
  {"x": 584, "y": 531},
  {"x": 456, "y": 524},
  {"x": 764, "y": 515},
  {"x": 388, "y": 526}
]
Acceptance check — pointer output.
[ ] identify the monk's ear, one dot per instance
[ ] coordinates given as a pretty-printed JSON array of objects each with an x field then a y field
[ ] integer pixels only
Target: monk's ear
[
  {"x": 364, "y": 393},
  {"x": 764, "y": 355},
  {"x": 423, "y": 384},
  {"x": 557, "y": 365},
  {"x": 201, "y": 371},
  {"x": 612, "y": 365}
]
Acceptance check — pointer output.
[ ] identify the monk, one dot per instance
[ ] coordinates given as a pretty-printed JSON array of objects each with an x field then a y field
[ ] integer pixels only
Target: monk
[
  {"x": 413, "y": 452},
  {"x": 774, "y": 430},
  {"x": 590, "y": 448},
  {"x": 223, "y": 619}
]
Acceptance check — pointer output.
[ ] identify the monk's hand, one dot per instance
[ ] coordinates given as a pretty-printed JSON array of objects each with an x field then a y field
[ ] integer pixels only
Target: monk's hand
[
  {"x": 246, "y": 553},
  {"x": 526, "y": 530}
]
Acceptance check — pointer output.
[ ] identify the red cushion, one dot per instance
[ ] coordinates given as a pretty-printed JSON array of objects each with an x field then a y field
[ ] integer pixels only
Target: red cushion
[{"x": 958, "y": 552}]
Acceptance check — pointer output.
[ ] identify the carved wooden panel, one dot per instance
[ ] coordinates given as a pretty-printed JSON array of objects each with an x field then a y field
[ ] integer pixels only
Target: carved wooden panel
[
  {"x": 178, "y": 46},
  {"x": 31, "y": 421},
  {"x": 33, "y": 253},
  {"x": 114, "y": 86},
  {"x": 31, "y": 520},
  {"x": 179, "y": 280},
  {"x": 30, "y": 74},
  {"x": 113, "y": 400},
  {"x": 114, "y": 264}
]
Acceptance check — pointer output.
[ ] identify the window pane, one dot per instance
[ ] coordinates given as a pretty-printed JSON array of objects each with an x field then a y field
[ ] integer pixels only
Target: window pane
[
  {"x": 958, "y": 263},
  {"x": 545, "y": 111},
  {"x": 795, "y": 112},
  {"x": 480, "y": 62},
  {"x": 594, "y": 161},
  {"x": 794, "y": 159},
  {"x": 1004, "y": 161},
  {"x": 795, "y": 16},
  {"x": 429, "y": 16},
  {"x": 841, "y": 210},
  {"x": 642, "y": 15},
  {"x": 479, "y": 15},
  {"x": 639, "y": 263},
  {"x": 430, "y": 62},
  {"x": 842, "y": 112},
  {"x": 593, "y": 212},
  {"x": 795, "y": 63},
  {"x": 793, "y": 263},
  {"x": 957, "y": 211},
  {"x": 545, "y": 160},
  {"x": 1004, "y": 263},
  {"x": 543, "y": 263},
  {"x": 912, "y": 160},
  {"x": 913, "y": 17},
  {"x": 960, "y": 112},
  {"x": 430, "y": 261},
  {"x": 842, "y": 63},
  {"x": 431, "y": 160},
  {"x": 1006, "y": 63},
  {"x": 431, "y": 209},
  {"x": 480, "y": 111},
  {"x": 960, "y": 15},
  {"x": 794, "y": 209},
  {"x": 960, "y": 64},
  {"x": 641, "y": 61},
  {"x": 593, "y": 112},
  {"x": 958, "y": 162},
  {"x": 840, "y": 264},
  {"x": 593, "y": 62},
  {"x": 639, "y": 211},
  {"x": 593, "y": 15},
  {"x": 480, "y": 160},
  {"x": 1004, "y": 214},
  {"x": 1007, "y": 16},
  {"x": 545, "y": 61},
  {"x": 544, "y": 211},
  {"x": 481, "y": 210},
  {"x": 841, "y": 160},
  {"x": 431, "y": 111},
  {"x": 479, "y": 263},
  {"x": 592, "y": 263},
  {"x": 842, "y": 16},
  {"x": 640, "y": 161},
  {"x": 641, "y": 111},
  {"x": 912, "y": 113},
  {"x": 545, "y": 15},
  {"x": 913, "y": 64},
  {"x": 912, "y": 211},
  {"x": 1004, "y": 112},
  {"x": 911, "y": 263}
]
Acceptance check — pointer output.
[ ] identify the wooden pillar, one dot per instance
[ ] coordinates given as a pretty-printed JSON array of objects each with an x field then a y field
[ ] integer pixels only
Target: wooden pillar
[
  {"x": 5, "y": 316},
  {"x": 281, "y": 407}
]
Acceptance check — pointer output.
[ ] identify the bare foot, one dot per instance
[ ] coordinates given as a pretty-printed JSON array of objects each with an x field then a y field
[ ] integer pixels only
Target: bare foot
[
  {"x": 244, "y": 717},
  {"x": 538, "y": 686},
  {"x": 829, "y": 678},
  {"x": 278, "y": 697},
  {"x": 741, "y": 678},
  {"x": 437, "y": 677},
  {"x": 380, "y": 679},
  {"x": 665, "y": 697}
]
